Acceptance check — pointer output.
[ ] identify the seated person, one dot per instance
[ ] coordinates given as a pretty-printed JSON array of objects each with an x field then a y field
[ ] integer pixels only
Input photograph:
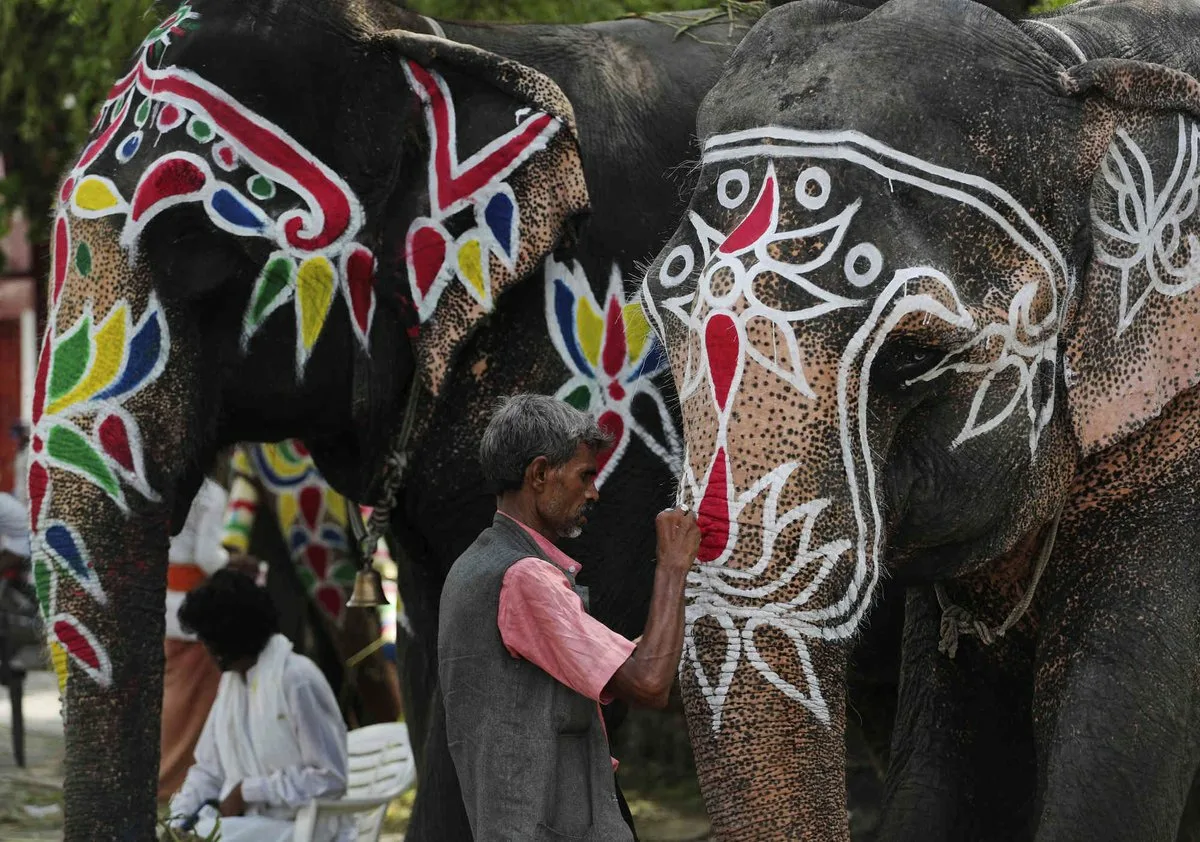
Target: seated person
[{"x": 274, "y": 738}]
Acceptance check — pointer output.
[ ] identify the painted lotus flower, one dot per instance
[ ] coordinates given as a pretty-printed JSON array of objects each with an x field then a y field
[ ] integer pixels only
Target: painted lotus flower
[{"x": 613, "y": 356}]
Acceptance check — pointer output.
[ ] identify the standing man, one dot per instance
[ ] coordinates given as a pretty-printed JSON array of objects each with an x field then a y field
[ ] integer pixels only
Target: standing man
[{"x": 523, "y": 667}]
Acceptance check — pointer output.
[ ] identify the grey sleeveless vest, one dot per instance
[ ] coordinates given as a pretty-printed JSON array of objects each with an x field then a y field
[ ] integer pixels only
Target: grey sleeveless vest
[{"x": 530, "y": 753}]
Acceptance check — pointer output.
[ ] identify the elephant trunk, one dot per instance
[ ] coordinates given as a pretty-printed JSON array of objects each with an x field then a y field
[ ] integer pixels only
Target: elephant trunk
[{"x": 108, "y": 450}]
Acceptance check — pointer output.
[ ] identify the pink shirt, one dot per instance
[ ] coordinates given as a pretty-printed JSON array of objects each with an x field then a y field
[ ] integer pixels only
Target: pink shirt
[{"x": 543, "y": 621}]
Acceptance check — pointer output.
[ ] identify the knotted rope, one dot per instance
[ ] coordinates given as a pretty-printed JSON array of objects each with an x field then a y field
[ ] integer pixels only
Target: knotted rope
[{"x": 957, "y": 620}]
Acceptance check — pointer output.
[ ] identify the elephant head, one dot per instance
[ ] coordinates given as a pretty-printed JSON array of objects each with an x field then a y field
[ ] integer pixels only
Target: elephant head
[
  {"x": 288, "y": 219},
  {"x": 911, "y": 293}
]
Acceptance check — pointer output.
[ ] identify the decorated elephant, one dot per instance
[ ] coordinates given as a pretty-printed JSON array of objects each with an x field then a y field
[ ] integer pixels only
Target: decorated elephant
[
  {"x": 282, "y": 510},
  {"x": 932, "y": 316},
  {"x": 335, "y": 221}
]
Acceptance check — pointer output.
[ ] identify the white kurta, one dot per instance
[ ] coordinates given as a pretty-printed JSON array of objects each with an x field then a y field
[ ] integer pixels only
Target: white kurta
[
  {"x": 280, "y": 734},
  {"x": 14, "y": 525}
]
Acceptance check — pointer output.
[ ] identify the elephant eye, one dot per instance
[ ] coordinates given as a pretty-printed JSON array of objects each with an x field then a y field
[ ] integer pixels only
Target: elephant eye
[{"x": 903, "y": 360}]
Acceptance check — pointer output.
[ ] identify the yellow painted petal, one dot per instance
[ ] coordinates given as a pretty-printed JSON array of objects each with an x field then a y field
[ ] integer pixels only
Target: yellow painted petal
[
  {"x": 96, "y": 195},
  {"x": 58, "y": 657},
  {"x": 589, "y": 326},
  {"x": 314, "y": 294},
  {"x": 109, "y": 345},
  {"x": 241, "y": 463},
  {"x": 288, "y": 509},
  {"x": 282, "y": 461},
  {"x": 470, "y": 266},
  {"x": 637, "y": 330},
  {"x": 335, "y": 506}
]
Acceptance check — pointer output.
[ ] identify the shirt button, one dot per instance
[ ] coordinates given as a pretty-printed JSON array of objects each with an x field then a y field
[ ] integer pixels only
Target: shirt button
[{"x": 571, "y": 569}]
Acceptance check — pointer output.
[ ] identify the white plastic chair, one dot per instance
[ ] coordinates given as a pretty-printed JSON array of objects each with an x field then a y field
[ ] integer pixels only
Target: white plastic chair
[{"x": 381, "y": 768}]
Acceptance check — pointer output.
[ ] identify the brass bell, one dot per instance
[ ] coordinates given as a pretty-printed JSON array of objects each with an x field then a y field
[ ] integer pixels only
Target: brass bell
[{"x": 368, "y": 590}]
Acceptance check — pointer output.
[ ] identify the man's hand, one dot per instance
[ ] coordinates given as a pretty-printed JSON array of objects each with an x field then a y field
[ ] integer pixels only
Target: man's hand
[
  {"x": 678, "y": 539},
  {"x": 234, "y": 804}
]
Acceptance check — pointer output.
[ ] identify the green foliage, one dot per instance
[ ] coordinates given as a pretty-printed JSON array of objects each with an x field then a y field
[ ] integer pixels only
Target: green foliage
[
  {"x": 60, "y": 58},
  {"x": 1048, "y": 5},
  {"x": 548, "y": 11}
]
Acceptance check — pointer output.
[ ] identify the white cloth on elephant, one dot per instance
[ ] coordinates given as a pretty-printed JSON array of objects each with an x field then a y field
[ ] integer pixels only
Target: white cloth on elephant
[
  {"x": 279, "y": 734},
  {"x": 198, "y": 544},
  {"x": 14, "y": 525}
]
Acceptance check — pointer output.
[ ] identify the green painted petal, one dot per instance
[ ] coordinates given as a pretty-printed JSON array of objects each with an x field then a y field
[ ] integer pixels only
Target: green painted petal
[
  {"x": 343, "y": 574},
  {"x": 43, "y": 580},
  {"x": 67, "y": 446},
  {"x": 307, "y": 578},
  {"x": 70, "y": 360},
  {"x": 83, "y": 259},
  {"x": 143, "y": 113},
  {"x": 276, "y": 280},
  {"x": 580, "y": 398}
]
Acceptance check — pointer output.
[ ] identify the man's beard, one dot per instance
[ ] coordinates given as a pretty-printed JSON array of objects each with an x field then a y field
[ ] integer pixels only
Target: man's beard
[{"x": 575, "y": 528}]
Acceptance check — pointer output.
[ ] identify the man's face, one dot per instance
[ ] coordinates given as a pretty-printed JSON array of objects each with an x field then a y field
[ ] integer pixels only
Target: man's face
[{"x": 569, "y": 493}]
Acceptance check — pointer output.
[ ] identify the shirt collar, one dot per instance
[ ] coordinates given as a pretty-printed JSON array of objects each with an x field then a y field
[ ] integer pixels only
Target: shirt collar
[{"x": 553, "y": 553}]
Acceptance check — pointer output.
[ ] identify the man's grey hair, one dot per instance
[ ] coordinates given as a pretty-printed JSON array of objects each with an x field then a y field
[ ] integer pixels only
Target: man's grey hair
[{"x": 525, "y": 427}]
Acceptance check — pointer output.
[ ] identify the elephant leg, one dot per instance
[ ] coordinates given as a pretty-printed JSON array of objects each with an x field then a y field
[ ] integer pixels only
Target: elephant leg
[
  {"x": 961, "y": 764},
  {"x": 1115, "y": 709}
]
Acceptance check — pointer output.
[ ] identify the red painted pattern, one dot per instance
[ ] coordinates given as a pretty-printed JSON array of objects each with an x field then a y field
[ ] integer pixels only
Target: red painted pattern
[
  {"x": 114, "y": 438},
  {"x": 61, "y": 256},
  {"x": 39, "y": 383},
  {"x": 713, "y": 514},
  {"x": 92, "y": 151},
  {"x": 64, "y": 194},
  {"x": 427, "y": 252},
  {"x": 38, "y": 485},
  {"x": 310, "y": 505},
  {"x": 723, "y": 347},
  {"x": 360, "y": 278},
  {"x": 612, "y": 357},
  {"x": 263, "y": 141},
  {"x": 756, "y": 223},
  {"x": 331, "y": 597},
  {"x": 75, "y": 643},
  {"x": 166, "y": 179},
  {"x": 613, "y": 424},
  {"x": 317, "y": 558},
  {"x": 451, "y": 188}
]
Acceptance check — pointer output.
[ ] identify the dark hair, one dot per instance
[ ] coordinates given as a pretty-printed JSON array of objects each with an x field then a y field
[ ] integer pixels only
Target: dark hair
[
  {"x": 525, "y": 427},
  {"x": 230, "y": 614}
]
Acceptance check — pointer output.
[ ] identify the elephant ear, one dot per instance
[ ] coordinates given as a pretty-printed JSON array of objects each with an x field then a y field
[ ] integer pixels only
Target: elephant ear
[
  {"x": 1134, "y": 341},
  {"x": 502, "y": 185}
]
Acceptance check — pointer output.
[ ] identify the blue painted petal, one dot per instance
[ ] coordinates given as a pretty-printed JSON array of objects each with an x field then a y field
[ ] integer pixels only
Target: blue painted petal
[
  {"x": 564, "y": 312},
  {"x": 143, "y": 355},
  {"x": 62, "y": 542},
  {"x": 236, "y": 211},
  {"x": 499, "y": 217},
  {"x": 654, "y": 360},
  {"x": 298, "y": 539},
  {"x": 333, "y": 537}
]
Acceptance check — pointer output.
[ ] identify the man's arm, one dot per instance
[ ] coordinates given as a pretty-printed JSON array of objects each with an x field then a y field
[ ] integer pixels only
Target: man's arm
[
  {"x": 645, "y": 678},
  {"x": 204, "y": 778}
]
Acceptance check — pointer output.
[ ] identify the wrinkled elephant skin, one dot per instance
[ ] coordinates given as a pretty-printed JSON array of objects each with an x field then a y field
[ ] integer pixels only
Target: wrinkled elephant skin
[{"x": 937, "y": 285}]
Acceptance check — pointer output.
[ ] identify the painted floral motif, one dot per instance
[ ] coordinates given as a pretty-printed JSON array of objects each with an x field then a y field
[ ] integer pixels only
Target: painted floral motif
[
  {"x": 1150, "y": 241},
  {"x": 613, "y": 356},
  {"x": 434, "y": 255},
  {"x": 250, "y": 177},
  {"x": 310, "y": 514},
  {"x": 85, "y": 375},
  {"x": 709, "y": 286}
]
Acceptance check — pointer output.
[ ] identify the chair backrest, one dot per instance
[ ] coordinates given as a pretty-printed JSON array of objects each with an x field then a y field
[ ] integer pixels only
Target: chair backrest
[{"x": 381, "y": 766}]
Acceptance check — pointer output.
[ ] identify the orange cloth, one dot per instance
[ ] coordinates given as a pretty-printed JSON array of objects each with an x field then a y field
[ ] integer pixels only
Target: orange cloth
[
  {"x": 190, "y": 680},
  {"x": 185, "y": 577}
]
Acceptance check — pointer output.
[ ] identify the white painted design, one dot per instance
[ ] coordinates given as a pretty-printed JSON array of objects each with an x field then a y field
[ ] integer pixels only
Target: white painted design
[
  {"x": 792, "y": 594},
  {"x": 1147, "y": 238},
  {"x": 1066, "y": 39}
]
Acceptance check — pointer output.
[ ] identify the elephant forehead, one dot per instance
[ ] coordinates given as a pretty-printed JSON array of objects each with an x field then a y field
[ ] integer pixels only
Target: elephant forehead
[{"x": 841, "y": 215}]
